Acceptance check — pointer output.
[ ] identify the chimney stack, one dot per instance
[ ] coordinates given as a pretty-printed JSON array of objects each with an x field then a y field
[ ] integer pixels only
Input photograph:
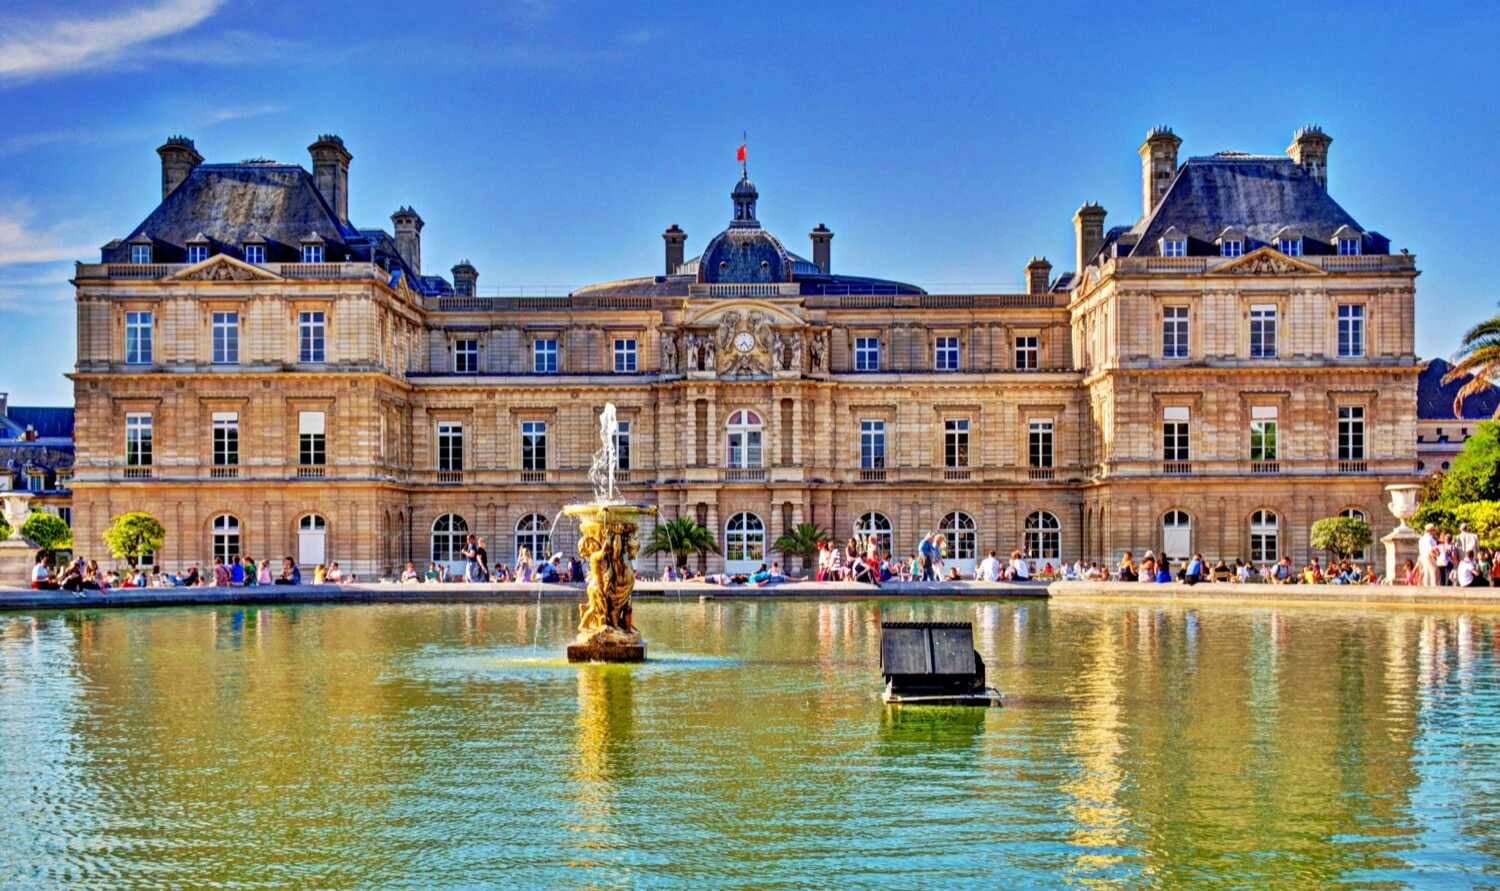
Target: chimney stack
[
  {"x": 408, "y": 225},
  {"x": 1309, "y": 149},
  {"x": 331, "y": 173},
  {"x": 1158, "y": 166},
  {"x": 1088, "y": 228},
  {"x": 178, "y": 160},
  {"x": 1039, "y": 275},
  {"x": 465, "y": 279},
  {"x": 822, "y": 243},
  {"x": 675, "y": 239}
]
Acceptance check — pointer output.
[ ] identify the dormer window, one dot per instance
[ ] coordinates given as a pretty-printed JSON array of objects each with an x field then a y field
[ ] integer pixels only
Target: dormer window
[
  {"x": 255, "y": 253},
  {"x": 1292, "y": 247},
  {"x": 1231, "y": 243},
  {"x": 1348, "y": 241},
  {"x": 197, "y": 253},
  {"x": 1173, "y": 243},
  {"x": 1348, "y": 247},
  {"x": 140, "y": 253},
  {"x": 312, "y": 253}
]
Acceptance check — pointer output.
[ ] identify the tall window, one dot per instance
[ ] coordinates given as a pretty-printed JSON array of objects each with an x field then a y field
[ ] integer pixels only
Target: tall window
[
  {"x": 1043, "y": 536},
  {"x": 226, "y": 536},
  {"x": 744, "y": 539},
  {"x": 137, "y": 439},
  {"x": 1041, "y": 443},
  {"x": 945, "y": 354},
  {"x": 544, "y": 355},
  {"x": 960, "y": 530},
  {"x": 533, "y": 534},
  {"x": 1174, "y": 434},
  {"x": 1231, "y": 247},
  {"x": 1263, "y": 433},
  {"x": 226, "y": 338},
  {"x": 622, "y": 445},
  {"x": 1174, "y": 332},
  {"x": 873, "y": 527},
  {"x": 197, "y": 253},
  {"x": 1028, "y": 353},
  {"x": 138, "y": 338},
  {"x": 625, "y": 355},
  {"x": 1264, "y": 547},
  {"x": 312, "y": 448},
  {"x": 466, "y": 356},
  {"x": 312, "y": 330},
  {"x": 1292, "y": 247},
  {"x": 743, "y": 440},
  {"x": 312, "y": 253},
  {"x": 533, "y": 446},
  {"x": 226, "y": 439},
  {"x": 1351, "y": 330},
  {"x": 1348, "y": 247},
  {"x": 1351, "y": 433},
  {"x": 956, "y": 442},
  {"x": 871, "y": 444},
  {"x": 140, "y": 253},
  {"x": 448, "y": 534},
  {"x": 1263, "y": 331},
  {"x": 255, "y": 253},
  {"x": 450, "y": 446},
  {"x": 866, "y": 354}
]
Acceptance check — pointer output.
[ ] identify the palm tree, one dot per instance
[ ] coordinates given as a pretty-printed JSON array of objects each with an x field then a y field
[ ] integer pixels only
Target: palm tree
[
  {"x": 802, "y": 540},
  {"x": 682, "y": 537},
  {"x": 1479, "y": 355}
]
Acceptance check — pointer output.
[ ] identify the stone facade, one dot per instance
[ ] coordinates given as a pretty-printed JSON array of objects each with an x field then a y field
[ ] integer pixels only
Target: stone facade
[{"x": 1035, "y": 420}]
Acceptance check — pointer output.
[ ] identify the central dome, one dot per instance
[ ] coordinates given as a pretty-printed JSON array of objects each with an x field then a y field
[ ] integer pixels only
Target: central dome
[{"x": 745, "y": 253}]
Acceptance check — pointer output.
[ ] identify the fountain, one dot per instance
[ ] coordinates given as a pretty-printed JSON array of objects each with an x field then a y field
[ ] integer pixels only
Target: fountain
[{"x": 607, "y": 529}]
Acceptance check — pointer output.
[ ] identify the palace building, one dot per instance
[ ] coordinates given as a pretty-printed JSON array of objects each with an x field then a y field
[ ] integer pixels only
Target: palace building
[{"x": 266, "y": 377}]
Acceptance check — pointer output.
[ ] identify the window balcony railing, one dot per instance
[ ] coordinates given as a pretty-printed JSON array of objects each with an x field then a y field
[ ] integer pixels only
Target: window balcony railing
[
  {"x": 311, "y": 472},
  {"x": 224, "y": 472},
  {"x": 744, "y": 474},
  {"x": 872, "y": 474},
  {"x": 138, "y": 473},
  {"x": 533, "y": 476},
  {"x": 1041, "y": 474},
  {"x": 450, "y": 477},
  {"x": 622, "y": 476},
  {"x": 1176, "y": 468},
  {"x": 1354, "y": 467},
  {"x": 955, "y": 474},
  {"x": 1265, "y": 466}
]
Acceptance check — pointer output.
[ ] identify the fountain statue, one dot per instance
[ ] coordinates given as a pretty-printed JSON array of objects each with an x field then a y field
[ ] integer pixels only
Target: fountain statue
[{"x": 607, "y": 529}]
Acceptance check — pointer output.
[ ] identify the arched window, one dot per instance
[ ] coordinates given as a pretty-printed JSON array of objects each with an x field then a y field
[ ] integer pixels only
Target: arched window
[
  {"x": 874, "y": 527},
  {"x": 226, "y": 532},
  {"x": 742, "y": 440},
  {"x": 1043, "y": 536},
  {"x": 744, "y": 542},
  {"x": 1355, "y": 513},
  {"x": 1177, "y": 534},
  {"x": 963, "y": 540},
  {"x": 1264, "y": 544},
  {"x": 534, "y": 533},
  {"x": 312, "y": 537},
  {"x": 448, "y": 532}
]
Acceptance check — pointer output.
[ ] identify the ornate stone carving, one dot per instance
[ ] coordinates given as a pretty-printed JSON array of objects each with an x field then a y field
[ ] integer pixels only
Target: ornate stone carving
[{"x": 669, "y": 353}]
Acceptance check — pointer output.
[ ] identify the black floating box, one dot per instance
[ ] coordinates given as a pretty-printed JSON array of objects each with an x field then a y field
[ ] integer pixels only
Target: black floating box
[{"x": 930, "y": 659}]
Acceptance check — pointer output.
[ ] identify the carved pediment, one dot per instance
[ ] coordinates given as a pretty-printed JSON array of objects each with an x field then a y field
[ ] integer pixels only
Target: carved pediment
[
  {"x": 1266, "y": 261},
  {"x": 223, "y": 268},
  {"x": 743, "y": 339}
]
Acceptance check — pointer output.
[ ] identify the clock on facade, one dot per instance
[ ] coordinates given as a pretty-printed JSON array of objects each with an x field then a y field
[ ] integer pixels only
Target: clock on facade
[{"x": 744, "y": 341}]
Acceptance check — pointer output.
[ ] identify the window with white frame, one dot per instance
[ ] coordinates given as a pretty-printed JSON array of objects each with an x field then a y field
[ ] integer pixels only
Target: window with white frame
[
  {"x": 625, "y": 360},
  {"x": 945, "y": 354},
  {"x": 1264, "y": 529},
  {"x": 1174, "y": 434},
  {"x": 535, "y": 537},
  {"x": 744, "y": 539},
  {"x": 450, "y": 446},
  {"x": 742, "y": 440},
  {"x": 138, "y": 439},
  {"x": 197, "y": 253},
  {"x": 544, "y": 355},
  {"x": 449, "y": 532},
  {"x": 312, "y": 332},
  {"x": 1232, "y": 247},
  {"x": 872, "y": 444},
  {"x": 226, "y": 338},
  {"x": 1028, "y": 353},
  {"x": 140, "y": 253},
  {"x": 138, "y": 338},
  {"x": 226, "y": 537},
  {"x": 1351, "y": 330},
  {"x": 962, "y": 534},
  {"x": 1174, "y": 247},
  {"x": 36, "y": 480},
  {"x": 1043, "y": 536},
  {"x": 622, "y": 444},
  {"x": 1263, "y": 433},
  {"x": 466, "y": 355},
  {"x": 533, "y": 446},
  {"x": 226, "y": 436},
  {"x": 1351, "y": 444},
  {"x": 1349, "y": 247},
  {"x": 1039, "y": 443},
  {"x": 866, "y": 354},
  {"x": 312, "y": 442},
  {"x": 255, "y": 253},
  {"x": 874, "y": 528},
  {"x": 956, "y": 442},
  {"x": 1292, "y": 246},
  {"x": 312, "y": 253},
  {"x": 1355, "y": 513},
  {"x": 1263, "y": 331},
  {"x": 1174, "y": 332}
]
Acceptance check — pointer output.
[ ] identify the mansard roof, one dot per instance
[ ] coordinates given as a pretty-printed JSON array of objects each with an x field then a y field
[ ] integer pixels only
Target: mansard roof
[
  {"x": 49, "y": 421},
  {"x": 1435, "y": 399},
  {"x": 1254, "y": 194}
]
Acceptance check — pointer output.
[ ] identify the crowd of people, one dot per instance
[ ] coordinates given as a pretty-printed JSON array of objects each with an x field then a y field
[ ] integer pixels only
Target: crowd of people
[{"x": 79, "y": 575}]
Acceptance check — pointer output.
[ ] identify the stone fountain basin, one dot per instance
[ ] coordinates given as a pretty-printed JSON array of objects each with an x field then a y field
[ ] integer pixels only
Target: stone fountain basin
[{"x": 611, "y": 510}]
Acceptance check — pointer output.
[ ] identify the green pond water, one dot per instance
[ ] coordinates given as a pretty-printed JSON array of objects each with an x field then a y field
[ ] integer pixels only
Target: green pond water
[{"x": 435, "y": 746}]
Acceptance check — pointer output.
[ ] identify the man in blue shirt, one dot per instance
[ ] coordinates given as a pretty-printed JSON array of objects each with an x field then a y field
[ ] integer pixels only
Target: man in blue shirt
[{"x": 1194, "y": 572}]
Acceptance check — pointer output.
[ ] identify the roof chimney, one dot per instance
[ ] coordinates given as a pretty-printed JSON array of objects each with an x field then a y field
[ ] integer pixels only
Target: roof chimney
[
  {"x": 1088, "y": 227},
  {"x": 409, "y": 237},
  {"x": 1039, "y": 275},
  {"x": 1309, "y": 149},
  {"x": 465, "y": 279},
  {"x": 4, "y": 405},
  {"x": 822, "y": 240},
  {"x": 1158, "y": 166},
  {"x": 178, "y": 159},
  {"x": 675, "y": 239},
  {"x": 331, "y": 173}
]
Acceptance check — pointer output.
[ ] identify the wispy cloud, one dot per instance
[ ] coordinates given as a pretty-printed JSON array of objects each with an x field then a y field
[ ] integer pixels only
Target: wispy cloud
[
  {"x": 21, "y": 143},
  {"x": 29, "y": 50},
  {"x": 22, "y": 242}
]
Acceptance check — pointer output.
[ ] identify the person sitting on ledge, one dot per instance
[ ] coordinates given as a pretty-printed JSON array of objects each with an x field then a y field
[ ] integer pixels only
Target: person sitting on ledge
[
  {"x": 1468, "y": 570},
  {"x": 1127, "y": 570},
  {"x": 291, "y": 574},
  {"x": 1408, "y": 574},
  {"x": 1018, "y": 570},
  {"x": 988, "y": 569},
  {"x": 236, "y": 572},
  {"x": 42, "y": 578},
  {"x": 761, "y": 576},
  {"x": 409, "y": 574},
  {"x": 1221, "y": 572},
  {"x": 551, "y": 571},
  {"x": 334, "y": 575},
  {"x": 1193, "y": 574},
  {"x": 1282, "y": 573},
  {"x": 221, "y": 573},
  {"x": 1164, "y": 570}
]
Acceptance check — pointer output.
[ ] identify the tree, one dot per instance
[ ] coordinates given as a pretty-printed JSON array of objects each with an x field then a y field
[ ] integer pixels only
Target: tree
[
  {"x": 1478, "y": 358},
  {"x": 5, "y": 529},
  {"x": 802, "y": 541},
  {"x": 132, "y": 534},
  {"x": 682, "y": 537},
  {"x": 1341, "y": 535},
  {"x": 1474, "y": 474},
  {"x": 48, "y": 531}
]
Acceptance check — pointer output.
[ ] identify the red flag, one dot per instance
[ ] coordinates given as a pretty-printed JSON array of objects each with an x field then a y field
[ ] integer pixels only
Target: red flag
[{"x": 740, "y": 154}]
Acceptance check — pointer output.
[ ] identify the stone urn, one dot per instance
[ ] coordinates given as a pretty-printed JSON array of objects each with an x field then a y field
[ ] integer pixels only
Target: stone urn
[
  {"x": 17, "y": 508},
  {"x": 1401, "y": 543},
  {"x": 1403, "y": 503}
]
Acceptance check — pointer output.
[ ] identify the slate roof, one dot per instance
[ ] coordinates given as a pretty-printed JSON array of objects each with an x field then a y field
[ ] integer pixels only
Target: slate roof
[
  {"x": 1435, "y": 400},
  {"x": 50, "y": 422},
  {"x": 1257, "y": 194}
]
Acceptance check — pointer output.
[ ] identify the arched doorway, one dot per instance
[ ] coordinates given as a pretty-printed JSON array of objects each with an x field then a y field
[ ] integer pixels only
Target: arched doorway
[
  {"x": 1177, "y": 535},
  {"x": 963, "y": 541},
  {"x": 744, "y": 543},
  {"x": 312, "y": 540}
]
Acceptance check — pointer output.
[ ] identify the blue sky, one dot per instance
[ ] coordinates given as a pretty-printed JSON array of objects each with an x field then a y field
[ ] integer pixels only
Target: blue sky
[{"x": 550, "y": 142}]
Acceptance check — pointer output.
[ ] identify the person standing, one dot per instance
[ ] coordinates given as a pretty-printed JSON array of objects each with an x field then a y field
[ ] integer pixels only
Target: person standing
[
  {"x": 1446, "y": 559},
  {"x": 1466, "y": 542},
  {"x": 471, "y": 565},
  {"x": 1427, "y": 554},
  {"x": 482, "y": 559}
]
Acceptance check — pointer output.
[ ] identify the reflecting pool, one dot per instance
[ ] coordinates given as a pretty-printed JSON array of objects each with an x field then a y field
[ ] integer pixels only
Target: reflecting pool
[{"x": 448, "y": 745}]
